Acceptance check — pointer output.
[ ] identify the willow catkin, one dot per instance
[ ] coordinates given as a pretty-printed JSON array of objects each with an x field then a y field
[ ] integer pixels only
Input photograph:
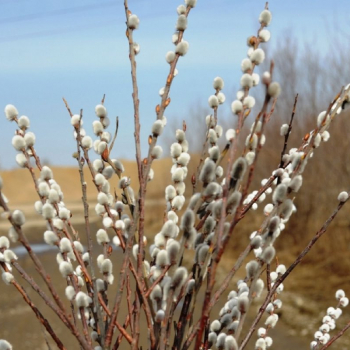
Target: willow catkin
[
  {"x": 238, "y": 169},
  {"x": 207, "y": 173},
  {"x": 233, "y": 202},
  {"x": 179, "y": 277},
  {"x": 252, "y": 268},
  {"x": 187, "y": 220}
]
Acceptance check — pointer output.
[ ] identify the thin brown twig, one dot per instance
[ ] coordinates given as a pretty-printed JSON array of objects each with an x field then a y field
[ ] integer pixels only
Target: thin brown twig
[{"x": 286, "y": 137}]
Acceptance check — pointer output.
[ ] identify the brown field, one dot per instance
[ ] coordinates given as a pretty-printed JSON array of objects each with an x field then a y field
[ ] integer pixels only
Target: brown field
[{"x": 308, "y": 292}]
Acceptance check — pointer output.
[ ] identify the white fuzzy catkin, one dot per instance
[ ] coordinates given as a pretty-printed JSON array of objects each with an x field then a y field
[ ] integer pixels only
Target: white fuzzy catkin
[
  {"x": 53, "y": 196},
  {"x": 65, "y": 245},
  {"x": 260, "y": 344},
  {"x": 221, "y": 98},
  {"x": 175, "y": 150},
  {"x": 70, "y": 293},
  {"x": 284, "y": 129},
  {"x": 133, "y": 22},
  {"x": 157, "y": 152},
  {"x": 102, "y": 198},
  {"x": 181, "y": 10},
  {"x": 343, "y": 196},
  {"x": 271, "y": 320},
  {"x": 5, "y": 345},
  {"x": 191, "y": 3},
  {"x": 43, "y": 189},
  {"x": 207, "y": 173},
  {"x": 162, "y": 259},
  {"x": 181, "y": 23},
  {"x": 82, "y": 300},
  {"x": 97, "y": 127},
  {"x": 24, "y": 122},
  {"x": 243, "y": 303},
  {"x": 105, "y": 122},
  {"x": 7, "y": 277},
  {"x": 101, "y": 111},
  {"x": 50, "y": 238},
  {"x": 11, "y": 112},
  {"x": 252, "y": 268},
  {"x": 257, "y": 56},
  {"x": 101, "y": 147},
  {"x": 182, "y": 48},
  {"x": 246, "y": 65},
  {"x": 264, "y": 35},
  {"x": 170, "y": 56},
  {"x": 48, "y": 211},
  {"x": 213, "y": 101},
  {"x": 246, "y": 81},
  {"x": 18, "y": 218},
  {"x": 4, "y": 242},
  {"x": 29, "y": 138},
  {"x": 238, "y": 169},
  {"x": 66, "y": 268},
  {"x": 178, "y": 175},
  {"x": 218, "y": 83},
  {"x": 173, "y": 250},
  {"x": 295, "y": 184},
  {"x": 179, "y": 277},
  {"x": 78, "y": 247},
  {"x": 99, "y": 179},
  {"x": 13, "y": 235},
  {"x": 265, "y": 17},
  {"x": 86, "y": 142},
  {"x": 106, "y": 266},
  {"x": 230, "y": 343},
  {"x": 249, "y": 102},
  {"x": 279, "y": 194},
  {"x": 157, "y": 128},
  {"x": 102, "y": 237},
  {"x": 230, "y": 134},
  {"x": 46, "y": 173},
  {"x": 107, "y": 222},
  {"x": 215, "y": 326},
  {"x": 75, "y": 120},
  {"x": 268, "y": 254},
  {"x": 274, "y": 89},
  {"x": 18, "y": 142}
]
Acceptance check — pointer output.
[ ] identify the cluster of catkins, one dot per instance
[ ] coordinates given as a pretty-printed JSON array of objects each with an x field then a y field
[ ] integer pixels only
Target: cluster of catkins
[
  {"x": 198, "y": 226},
  {"x": 329, "y": 321},
  {"x": 60, "y": 232}
]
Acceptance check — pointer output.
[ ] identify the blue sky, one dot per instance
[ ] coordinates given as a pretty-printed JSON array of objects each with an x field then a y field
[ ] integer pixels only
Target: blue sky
[{"x": 78, "y": 50}]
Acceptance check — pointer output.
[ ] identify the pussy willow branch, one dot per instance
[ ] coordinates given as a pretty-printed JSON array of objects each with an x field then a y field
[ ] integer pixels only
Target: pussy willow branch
[
  {"x": 220, "y": 245},
  {"x": 144, "y": 171},
  {"x": 195, "y": 176},
  {"x": 265, "y": 119},
  {"x": 145, "y": 305},
  {"x": 99, "y": 321},
  {"x": 296, "y": 262},
  {"x": 334, "y": 338},
  {"x": 122, "y": 330},
  {"x": 40, "y": 268},
  {"x": 335, "y": 104},
  {"x": 121, "y": 281},
  {"x": 289, "y": 131},
  {"x": 142, "y": 180},
  {"x": 42, "y": 294},
  {"x": 163, "y": 104},
  {"x": 39, "y": 315},
  {"x": 118, "y": 298}
]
